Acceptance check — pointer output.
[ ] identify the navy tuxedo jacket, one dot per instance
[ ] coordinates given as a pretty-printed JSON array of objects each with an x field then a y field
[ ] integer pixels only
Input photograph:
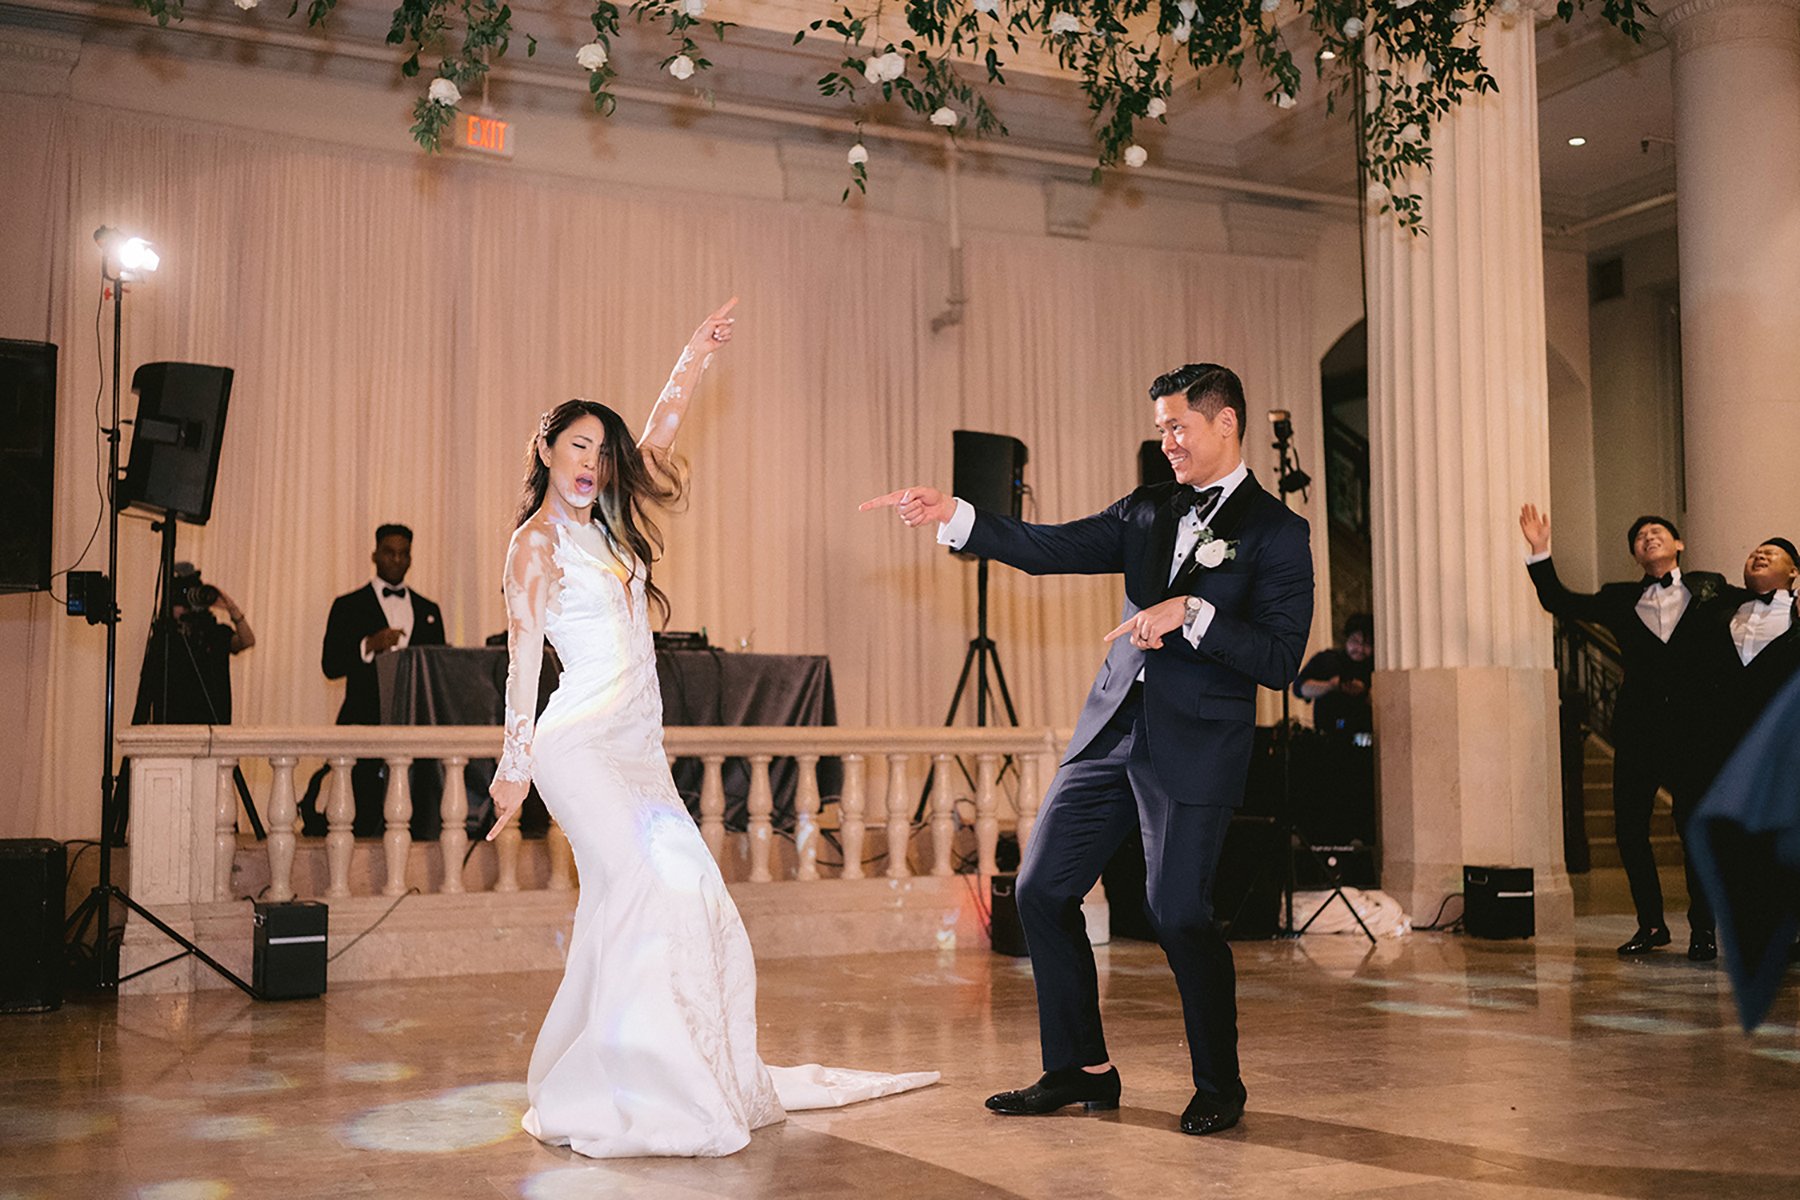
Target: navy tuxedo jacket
[
  {"x": 354, "y": 616},
  {"x": 1199, "y": 702}
]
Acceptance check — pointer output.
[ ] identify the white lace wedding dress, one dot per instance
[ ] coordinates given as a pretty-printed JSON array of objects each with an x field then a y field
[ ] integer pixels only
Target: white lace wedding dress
[{"x": 649, "y": 1047}]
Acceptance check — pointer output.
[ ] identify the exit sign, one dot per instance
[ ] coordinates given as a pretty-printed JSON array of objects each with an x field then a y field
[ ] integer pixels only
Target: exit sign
[{"x": 484, "y": 135}]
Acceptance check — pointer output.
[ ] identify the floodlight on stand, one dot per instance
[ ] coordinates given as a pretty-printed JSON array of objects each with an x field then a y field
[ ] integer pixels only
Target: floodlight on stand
[{"x": 126, "y": 255}]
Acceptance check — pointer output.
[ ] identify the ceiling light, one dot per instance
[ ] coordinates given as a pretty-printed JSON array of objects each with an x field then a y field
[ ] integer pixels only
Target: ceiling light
[
  {"x": 1327, "y": 55},
  {"x": 1577, "y": 141}
]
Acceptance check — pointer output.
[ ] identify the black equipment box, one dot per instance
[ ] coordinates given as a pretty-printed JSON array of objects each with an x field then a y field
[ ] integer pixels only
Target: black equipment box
[
  {"x": 1499, "y": 902},
  {"x": 289, "y": 959},
  {"x": 31, "y": 925},
  {"x": 1005, "y": 931}
]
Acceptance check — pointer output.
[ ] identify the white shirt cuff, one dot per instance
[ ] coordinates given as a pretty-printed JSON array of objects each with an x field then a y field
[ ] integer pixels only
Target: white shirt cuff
[
  {"x": 1196, "y": 629},
  {"x": 362, "y": 648},
  {"x": 954, "y": 532},
  {"x": 1536, "y": 558}
]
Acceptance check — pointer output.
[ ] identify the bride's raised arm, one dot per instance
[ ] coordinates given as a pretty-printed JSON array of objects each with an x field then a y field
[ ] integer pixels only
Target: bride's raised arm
[
  {"x": 530, "y": 570},
  {"x": 696, "y": 356}
]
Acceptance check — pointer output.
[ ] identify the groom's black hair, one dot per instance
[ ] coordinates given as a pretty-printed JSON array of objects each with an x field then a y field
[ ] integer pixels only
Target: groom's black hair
[
  {"x": 1650, "y": 519},
  {"x": 1209, "y": 388}
]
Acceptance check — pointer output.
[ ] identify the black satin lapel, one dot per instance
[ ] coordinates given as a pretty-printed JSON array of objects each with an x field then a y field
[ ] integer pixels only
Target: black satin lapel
[{"x": 1162, "y": 547}]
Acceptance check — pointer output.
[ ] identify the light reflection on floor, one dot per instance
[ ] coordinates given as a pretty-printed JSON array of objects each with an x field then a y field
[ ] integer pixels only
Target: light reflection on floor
[{"x": 461, "y": 1119}]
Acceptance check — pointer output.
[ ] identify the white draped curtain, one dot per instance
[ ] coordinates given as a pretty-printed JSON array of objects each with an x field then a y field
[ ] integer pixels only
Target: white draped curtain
[{"x": 397, "y": 325}]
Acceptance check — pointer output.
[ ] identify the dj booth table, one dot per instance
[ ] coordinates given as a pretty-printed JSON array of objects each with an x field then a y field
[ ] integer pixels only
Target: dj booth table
[{"x": 453, "y": 685}]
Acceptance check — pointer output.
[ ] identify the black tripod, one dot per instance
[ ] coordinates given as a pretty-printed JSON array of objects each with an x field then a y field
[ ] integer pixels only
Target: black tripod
[
  {"x": 1290, "y": 479},
  {"x": 98, "y": 904},
  {"x": 982, "y": 650}
]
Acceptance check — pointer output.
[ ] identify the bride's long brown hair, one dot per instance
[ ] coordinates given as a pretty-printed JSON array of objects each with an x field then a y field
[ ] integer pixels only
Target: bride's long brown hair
[{"x": 630, "y": 482}]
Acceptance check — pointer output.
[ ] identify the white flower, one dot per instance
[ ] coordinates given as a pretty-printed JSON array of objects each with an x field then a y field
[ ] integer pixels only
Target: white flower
[
  {"x": 885, "y": 68},
  {"x": 1353, "y": 28},
  {"x": 1405, "y": 3},
  {"x": 1187, "y": 9},
  {"x": 1065, "y": 22},
  {"x": 945, "y": 117},
  {"x": 1411, "y": 134},
  {"x": 1283, "y": 100},
  {"x": 1507, "y": 8},
  {"x": 1156, "y": 108},
  {"x": 859, "y": 154},
  {"x": 1136, "y": 156},
  {"x": 1181, "y": 33},
  {"x": 1270, "y": 6},
  {"x": 1376, "y": 194},
  {"x": 1211, "y": 554},
  {"x": 991, "y": 7},
  {"x": 591, "y": 57},
  {"x": 694, "y": 8},
  {"x": 681, "y": 67},
  {"x": 246, "y": 5},
  {"x": 443, "y": 91}
]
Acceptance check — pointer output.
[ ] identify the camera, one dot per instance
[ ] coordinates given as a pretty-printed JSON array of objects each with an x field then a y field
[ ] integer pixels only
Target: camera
[
  {"x": 189, "y": 590},
  {"x": 201, "y": 595}
]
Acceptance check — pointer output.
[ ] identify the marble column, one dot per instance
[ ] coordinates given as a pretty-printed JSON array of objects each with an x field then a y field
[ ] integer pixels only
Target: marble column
[
  {"x": 1737, "y": 139},
  {"x": 1464, "y": 689}
]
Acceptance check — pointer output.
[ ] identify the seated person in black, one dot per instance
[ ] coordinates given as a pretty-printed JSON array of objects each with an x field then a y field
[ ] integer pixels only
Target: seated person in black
[{"x": 1337, "y": 680}]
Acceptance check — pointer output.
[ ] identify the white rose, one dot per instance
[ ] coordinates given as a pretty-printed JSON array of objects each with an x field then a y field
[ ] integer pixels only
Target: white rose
[
  {"x": 1411, "y": 134},
  {"x": 1156, "y": 108},
  {"x": 991, "y": 7},
  {"x": 1136, "y": 156},
  {"x": 1181, "y": 33},
  {"x": 1353, "y": 28},
  {"x": 1376, "y": 193},
  {"x": 945, "y": 117},
  {"x": 859, "y": 154},
  {"x": 885, "y": 68},
  {"x": 1405, "y": 3},
  {"x": 1065, "y": 22},
  {"x": 591, "y": 57},
  {"x": 1283, "y": 100},
  {"x": 1211, "y": 554},
  {"x": 681, "y": 67},
  {"x": 246, "y": 5},
  {"x": 444, "y": 92},
  {"x": 1187, "y": 9},
  {"x": 1270, "y": 6},
  {"x": 694, "y": 8}
]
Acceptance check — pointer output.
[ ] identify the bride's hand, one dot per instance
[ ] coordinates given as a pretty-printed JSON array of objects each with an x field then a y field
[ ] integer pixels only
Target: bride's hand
[
  {"x": 715, "y": 331},
  {"x": 509, "y": 797}
]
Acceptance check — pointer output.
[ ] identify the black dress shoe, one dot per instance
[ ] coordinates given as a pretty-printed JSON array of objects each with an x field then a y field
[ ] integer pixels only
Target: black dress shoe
[
  {"x": 1059, "y": 1089},
  {"x": 1207, "y": 1113},
  {"x": 1645, "y": 940},
  {"x": 1703, "y": 946}
]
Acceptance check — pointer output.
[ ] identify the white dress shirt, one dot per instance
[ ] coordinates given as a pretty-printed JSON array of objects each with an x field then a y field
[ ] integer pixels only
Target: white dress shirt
[
  {"x": 1757, "y": 623},
  {"x": 1659, "y": 608},
  {"x": 955, "y": 532},
  {"x": 399, "y": 610}
]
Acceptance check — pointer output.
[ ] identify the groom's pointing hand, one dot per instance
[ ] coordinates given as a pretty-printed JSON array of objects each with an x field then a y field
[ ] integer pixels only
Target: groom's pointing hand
[
  {"x": 915, "y": 505},
  {"x": 1148, "y": 627}
]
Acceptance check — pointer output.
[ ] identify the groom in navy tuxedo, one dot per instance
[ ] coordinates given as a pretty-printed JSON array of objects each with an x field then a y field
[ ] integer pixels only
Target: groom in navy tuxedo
[{"x": 1218, "y": 599}]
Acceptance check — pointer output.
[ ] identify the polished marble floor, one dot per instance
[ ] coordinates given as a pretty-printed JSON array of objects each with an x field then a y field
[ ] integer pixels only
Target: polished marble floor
[{"x": 1431, "y": 1066}]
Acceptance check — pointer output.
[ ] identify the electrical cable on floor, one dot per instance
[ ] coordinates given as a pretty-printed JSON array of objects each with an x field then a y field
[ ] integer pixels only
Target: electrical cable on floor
[
  {"x": 1437, "y": 922},
  {"x": 411, "y": 891}
]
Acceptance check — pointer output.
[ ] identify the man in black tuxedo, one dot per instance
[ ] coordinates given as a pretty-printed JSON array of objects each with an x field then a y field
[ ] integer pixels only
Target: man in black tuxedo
[
  {"x": 381, "y": 616},
  {"x": 1746, "y": 646},
  {"x": 1651, "y": 619},
  {"x": 1218, "y": 599}
]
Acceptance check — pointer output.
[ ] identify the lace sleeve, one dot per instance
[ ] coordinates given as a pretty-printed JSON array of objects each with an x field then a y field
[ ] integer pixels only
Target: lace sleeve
[
  {"x": 530, "y": 571},
  {"x": 672, "y": 405}
]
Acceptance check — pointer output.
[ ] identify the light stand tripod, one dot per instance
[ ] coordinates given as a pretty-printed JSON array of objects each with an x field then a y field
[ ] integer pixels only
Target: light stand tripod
[
  {"x": 981, "y": 649},
  {"x": 126, "y": 259},
  {"x": 1290, "y": 479}
]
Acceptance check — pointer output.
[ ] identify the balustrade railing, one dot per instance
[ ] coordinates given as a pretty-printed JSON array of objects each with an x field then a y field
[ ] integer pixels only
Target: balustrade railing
[{"x": 189, "y": 856}]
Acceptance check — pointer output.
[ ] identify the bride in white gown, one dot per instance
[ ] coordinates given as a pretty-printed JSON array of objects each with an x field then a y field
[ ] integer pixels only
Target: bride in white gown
[{"x": 650, "y": 1044}]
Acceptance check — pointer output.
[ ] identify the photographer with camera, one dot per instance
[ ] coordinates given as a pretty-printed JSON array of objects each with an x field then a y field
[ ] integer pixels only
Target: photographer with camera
[{"x": 186, "y": 678}]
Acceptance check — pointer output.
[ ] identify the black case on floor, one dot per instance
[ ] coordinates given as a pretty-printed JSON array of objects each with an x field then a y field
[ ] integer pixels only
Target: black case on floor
[
  {"x": 290, "y": 950},
  {"x": 31, "y": 925},
  {"x": 1499, "y": 902}
]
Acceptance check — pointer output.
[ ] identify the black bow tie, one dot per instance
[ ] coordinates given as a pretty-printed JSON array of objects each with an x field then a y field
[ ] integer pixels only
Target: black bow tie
[
  {"x": 1765, "y": 597},
  {"x": 1667, "y": 579},
  {"x": 1184, "y": 498},
  {"x": 399, "y": 591}
]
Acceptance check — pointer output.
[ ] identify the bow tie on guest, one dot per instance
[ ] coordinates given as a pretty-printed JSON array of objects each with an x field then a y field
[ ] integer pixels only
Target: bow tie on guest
[
  {"x": 1666, "y": 579},
  {"x": 1201, "y": 499},
  {"x": 389, "y": 591}
]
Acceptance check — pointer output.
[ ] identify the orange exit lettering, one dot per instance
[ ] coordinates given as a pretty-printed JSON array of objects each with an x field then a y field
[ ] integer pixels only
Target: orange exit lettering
[{"x": 486, "y": 133}]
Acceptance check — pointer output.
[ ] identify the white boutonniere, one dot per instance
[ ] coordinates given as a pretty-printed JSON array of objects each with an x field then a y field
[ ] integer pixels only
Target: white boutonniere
[{"x": 1212, "y": 550}]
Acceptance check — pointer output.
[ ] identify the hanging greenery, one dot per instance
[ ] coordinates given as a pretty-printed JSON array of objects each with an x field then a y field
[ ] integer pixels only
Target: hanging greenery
[{"x": 1399, "y": 65}]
